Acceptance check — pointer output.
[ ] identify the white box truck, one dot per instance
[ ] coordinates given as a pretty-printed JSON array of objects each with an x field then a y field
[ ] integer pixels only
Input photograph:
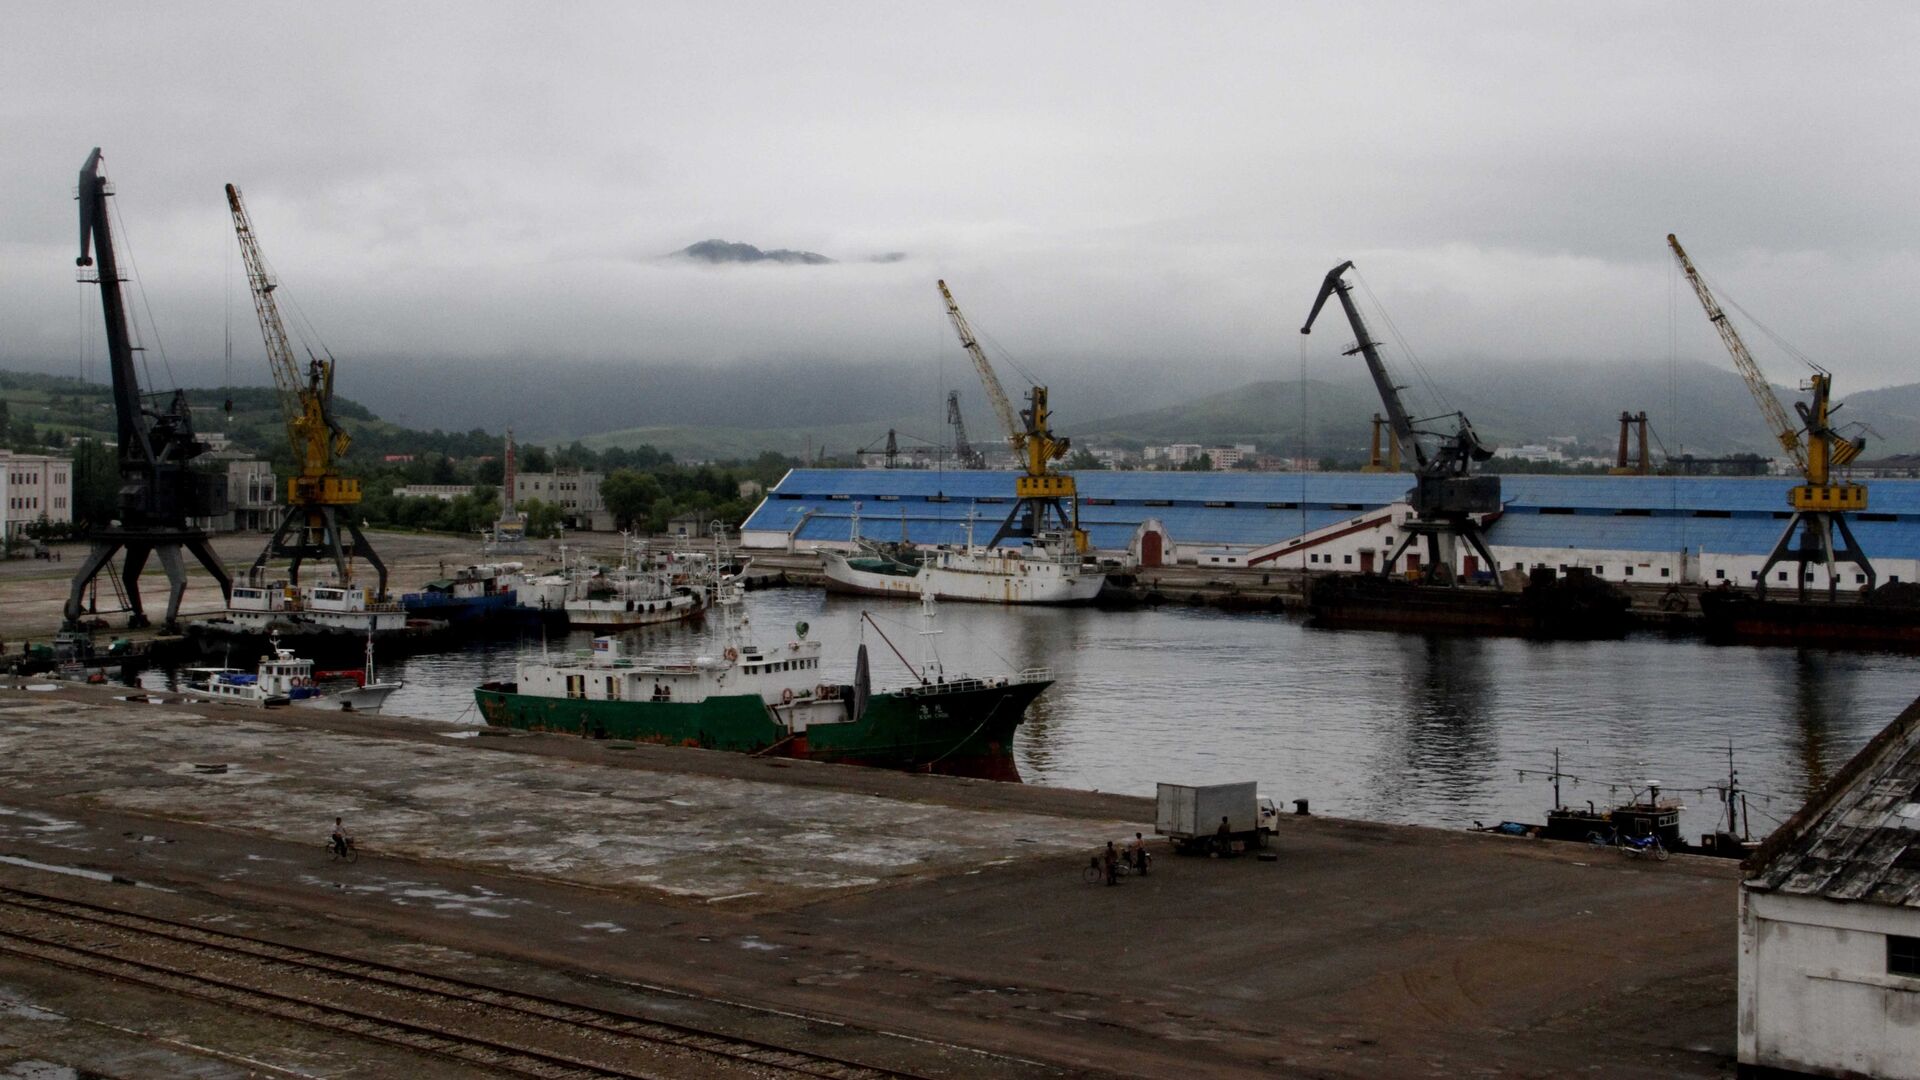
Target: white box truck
[{"x": 1190, "y": 814}]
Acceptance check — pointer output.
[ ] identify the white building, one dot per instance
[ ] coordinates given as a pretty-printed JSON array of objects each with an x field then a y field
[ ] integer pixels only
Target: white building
[
  {"x": 1830, "y": 925},
  {"x": 33, "y": 486}
]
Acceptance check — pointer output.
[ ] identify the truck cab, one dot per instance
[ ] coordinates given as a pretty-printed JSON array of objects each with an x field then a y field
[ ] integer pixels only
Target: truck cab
[{"x": 1268, "y": 812}]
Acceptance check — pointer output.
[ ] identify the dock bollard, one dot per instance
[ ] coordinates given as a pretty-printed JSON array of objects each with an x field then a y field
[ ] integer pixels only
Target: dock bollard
[{"x": 1300, "y": 808}]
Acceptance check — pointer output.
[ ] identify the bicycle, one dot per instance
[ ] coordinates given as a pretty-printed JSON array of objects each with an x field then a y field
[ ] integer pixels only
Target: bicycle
[
  {"x": 1095, "y": 871},
  {"x": 342, "y": 849}
]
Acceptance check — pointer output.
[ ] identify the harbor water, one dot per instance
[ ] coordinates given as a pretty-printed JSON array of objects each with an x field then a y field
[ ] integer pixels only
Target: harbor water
[{"x": 1381, "y": 726}]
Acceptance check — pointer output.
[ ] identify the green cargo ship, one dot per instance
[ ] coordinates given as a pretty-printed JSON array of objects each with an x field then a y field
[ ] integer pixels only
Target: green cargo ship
[{"x": 774, "y": 703}]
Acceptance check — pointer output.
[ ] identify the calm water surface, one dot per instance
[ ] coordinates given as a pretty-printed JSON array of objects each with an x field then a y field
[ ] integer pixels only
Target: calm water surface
[{"x": 1374, "y": 725}]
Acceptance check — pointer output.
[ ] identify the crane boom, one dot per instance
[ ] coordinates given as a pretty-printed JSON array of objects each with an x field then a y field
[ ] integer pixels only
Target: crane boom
[
  {"x": 1784, "y": 429},
  {"x": 1446, "y": 498},
  {"x": 1041, "y": 496},
  {"x": 316, "y": 437},
  {"x": 1002, "y": 407},
  {"x": 313, "y": 525},
  {"x": 1820, "y": 504},
  {"x": 1397, "y": 418}
]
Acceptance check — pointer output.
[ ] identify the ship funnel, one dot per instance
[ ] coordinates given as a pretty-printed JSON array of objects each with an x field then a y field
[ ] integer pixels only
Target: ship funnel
[{"x": 862, "y": 682}]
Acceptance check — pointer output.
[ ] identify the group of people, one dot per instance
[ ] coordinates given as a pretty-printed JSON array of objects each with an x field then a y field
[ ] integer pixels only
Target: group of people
[{"x": 1135, "y": 857}]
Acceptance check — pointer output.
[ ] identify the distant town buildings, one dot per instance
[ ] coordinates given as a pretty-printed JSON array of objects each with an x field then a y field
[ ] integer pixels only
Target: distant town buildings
[{"x": 34, "y": 486}]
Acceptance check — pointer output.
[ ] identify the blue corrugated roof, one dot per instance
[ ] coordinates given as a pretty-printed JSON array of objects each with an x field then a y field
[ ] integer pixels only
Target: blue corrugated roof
[{"x": 1246, "y": 509}]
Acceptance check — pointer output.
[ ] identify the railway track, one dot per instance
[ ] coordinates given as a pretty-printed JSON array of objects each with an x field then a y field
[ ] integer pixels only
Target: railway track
[{"x": 508, "y": 1031}]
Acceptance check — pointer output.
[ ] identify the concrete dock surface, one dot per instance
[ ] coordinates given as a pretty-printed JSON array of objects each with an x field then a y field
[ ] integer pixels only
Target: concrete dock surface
[{"x": 935, "y": 926}]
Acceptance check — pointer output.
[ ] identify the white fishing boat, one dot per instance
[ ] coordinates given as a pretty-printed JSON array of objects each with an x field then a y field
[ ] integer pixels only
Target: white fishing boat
[
  {"x": 645, "y": 590},
  {"x": 1046, "y": 569},
  {"x": 285, "y": 679}
]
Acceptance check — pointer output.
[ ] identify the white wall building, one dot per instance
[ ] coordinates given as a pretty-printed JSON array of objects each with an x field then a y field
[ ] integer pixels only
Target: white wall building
[
  {"x": 1830, "y": 925},
  {"x": 33, "y": 486}
]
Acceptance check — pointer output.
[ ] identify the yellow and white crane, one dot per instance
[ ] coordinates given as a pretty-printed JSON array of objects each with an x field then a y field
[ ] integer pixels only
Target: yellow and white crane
[
  {"x": 1821, "y": 504},
  {"x": 317, "y": 494},
  {"x": 1044, "y": 500}
]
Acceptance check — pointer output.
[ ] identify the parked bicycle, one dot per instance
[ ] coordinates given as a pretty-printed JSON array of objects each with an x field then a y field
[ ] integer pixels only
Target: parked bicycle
[{"x": 1095, "y": 872}]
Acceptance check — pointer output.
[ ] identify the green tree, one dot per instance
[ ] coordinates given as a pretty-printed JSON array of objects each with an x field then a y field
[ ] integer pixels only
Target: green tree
[
  {"x": 543, "y": 518},
  {"x": 1082, "y": 460},
  {"x": 629, "y": 495}
]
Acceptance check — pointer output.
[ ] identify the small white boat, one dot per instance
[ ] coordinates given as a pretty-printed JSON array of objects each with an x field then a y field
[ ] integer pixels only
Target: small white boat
[{"x": 285, "y": 679}]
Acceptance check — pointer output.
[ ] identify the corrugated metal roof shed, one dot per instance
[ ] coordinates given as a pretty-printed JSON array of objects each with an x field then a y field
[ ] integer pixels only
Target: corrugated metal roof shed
[
  {"x": 1727, "y": 515},
  {"x": 1858, "y": 838}
]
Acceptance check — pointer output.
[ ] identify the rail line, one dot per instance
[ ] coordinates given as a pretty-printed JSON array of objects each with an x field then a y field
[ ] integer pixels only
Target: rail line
[{"x": 524, "y": 1034}]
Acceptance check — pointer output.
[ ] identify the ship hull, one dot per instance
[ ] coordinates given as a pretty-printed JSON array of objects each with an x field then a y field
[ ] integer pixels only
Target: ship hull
[
  {"x": 1731, "y": 616},
  {"x": 330, "y": 644},
  {"x": 616, "y": 615},
  {"x": 1044, "y": 583},
  {"x": 1355, "y": 601},
  {"x": 952, "y": 732}
]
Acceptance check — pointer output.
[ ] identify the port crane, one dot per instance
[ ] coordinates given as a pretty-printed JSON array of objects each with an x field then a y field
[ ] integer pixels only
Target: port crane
[
  {"x": 1821, "y": 504},
  {"x": 160, "y": 492},
  {"x": 318, "y": 494},
  {"x": 1445, "y": 498},
  {"x": 1044, "y": 500},
  {"x": 964, "y": 455}
]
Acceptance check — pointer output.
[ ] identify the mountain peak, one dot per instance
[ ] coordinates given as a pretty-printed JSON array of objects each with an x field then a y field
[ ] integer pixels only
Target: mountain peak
[{"x": 727, "y": 251}]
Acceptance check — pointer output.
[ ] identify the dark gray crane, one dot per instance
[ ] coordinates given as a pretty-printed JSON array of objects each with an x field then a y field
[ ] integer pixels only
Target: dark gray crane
[
  {"x": 159, "y": 490},
  {"x": 964, "y": 455},
  {"x": 1445, "y": 498}
]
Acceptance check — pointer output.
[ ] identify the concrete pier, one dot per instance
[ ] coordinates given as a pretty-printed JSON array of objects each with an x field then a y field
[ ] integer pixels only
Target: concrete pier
[{"x": 934, "y": 926}]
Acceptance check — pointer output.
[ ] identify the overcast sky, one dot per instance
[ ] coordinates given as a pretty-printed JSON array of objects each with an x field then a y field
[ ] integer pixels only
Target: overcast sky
[{"x": 1103, "y": 185}]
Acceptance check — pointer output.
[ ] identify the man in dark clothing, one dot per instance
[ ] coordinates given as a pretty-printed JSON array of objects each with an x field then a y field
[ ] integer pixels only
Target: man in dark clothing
[
  {"x": 1223, "y": 838},
  {"x": 1138, "y": 852},
  {"x": 1110, "y": 862}
]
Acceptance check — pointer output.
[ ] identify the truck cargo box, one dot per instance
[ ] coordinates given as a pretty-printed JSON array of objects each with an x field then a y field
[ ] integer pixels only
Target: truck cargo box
[{"x": 1193, "y": 811}]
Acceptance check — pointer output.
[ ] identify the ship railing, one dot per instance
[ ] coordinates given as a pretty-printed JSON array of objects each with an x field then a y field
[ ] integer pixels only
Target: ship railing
[{"x": 1035, "y": 674}]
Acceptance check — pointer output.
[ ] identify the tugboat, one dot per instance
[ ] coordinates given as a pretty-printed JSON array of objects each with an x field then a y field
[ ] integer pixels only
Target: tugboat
[{"x": 773, "y": 701}]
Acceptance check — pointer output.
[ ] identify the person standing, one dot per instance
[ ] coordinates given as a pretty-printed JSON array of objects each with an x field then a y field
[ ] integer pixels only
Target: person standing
[
  {"x": 1110, "y": 861},
  {"x": 1139, "y": 853}
]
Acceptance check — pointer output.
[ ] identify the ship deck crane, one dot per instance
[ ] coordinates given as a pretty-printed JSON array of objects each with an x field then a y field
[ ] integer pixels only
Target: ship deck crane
[
  {"x": 1821, "y": 504},
  {"x": 1044, "y": 500},
  {"x": 1445, "y": 499},
  {"x": 317, "y": 494},
  {"x": 159, "y": 491}
]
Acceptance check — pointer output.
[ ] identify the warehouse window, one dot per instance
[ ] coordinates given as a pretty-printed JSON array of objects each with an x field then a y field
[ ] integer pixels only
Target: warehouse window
[
  {"x": 1666, "y": 571},
  {"x": 1721, "y": 574},
  {"x": 1903, "y": 955},
  {"x": 1346, "y": 560},
  {"x": 1859, "y": 579},
  {"x": 1629, "y": 571}
]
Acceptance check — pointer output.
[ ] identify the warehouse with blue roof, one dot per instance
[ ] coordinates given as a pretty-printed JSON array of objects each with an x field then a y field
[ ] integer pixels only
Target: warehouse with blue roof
[{"x": 1646, "y": 529}]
